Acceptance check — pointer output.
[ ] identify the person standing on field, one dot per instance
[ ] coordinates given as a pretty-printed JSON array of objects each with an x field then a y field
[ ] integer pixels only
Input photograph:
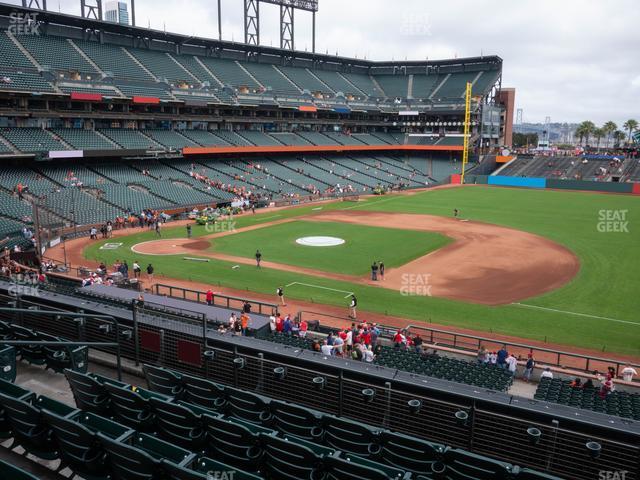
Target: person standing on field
[
  {"x": 381, "y": 269},
  {"x": 352, "y": 307},
  {"x": 258, "y": 258},
  {"x": 189, "y": 231},
  {"x": 280, "y": 292}
]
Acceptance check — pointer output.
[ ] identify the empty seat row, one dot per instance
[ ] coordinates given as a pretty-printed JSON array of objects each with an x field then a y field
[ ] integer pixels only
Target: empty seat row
[
  {"x": 95, "y": 447},
  {"x": 53, "y": 357},
  {"x": 195, "y": 398}
]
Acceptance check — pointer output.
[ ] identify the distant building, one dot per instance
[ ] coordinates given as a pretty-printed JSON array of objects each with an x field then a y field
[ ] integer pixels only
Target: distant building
[{"x": 117, "y": 12}]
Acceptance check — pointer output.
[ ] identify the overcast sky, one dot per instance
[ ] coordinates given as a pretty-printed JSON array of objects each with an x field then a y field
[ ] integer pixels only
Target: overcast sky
[{"x": 571, "y": 60}]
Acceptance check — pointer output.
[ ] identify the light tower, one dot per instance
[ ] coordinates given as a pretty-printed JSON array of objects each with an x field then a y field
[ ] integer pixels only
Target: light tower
[{"x": 287, "y": 9}]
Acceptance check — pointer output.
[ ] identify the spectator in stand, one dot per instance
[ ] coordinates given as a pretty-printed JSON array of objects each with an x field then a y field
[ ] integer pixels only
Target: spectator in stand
[
  {"x": 272, "y": 323},
  {"x": 398, "y": 340},
  {"x": 607, "y": 387},
  {"x": 547, "y": 373},
  {"x": 375, "y": 333},
  {"x": 338, "y": 345},
  {"x": 576, "y": 383},
  {"x": 482, "y": 355},
  {"x": 502, "y": 357},
  {"x": 279, "y": 323},
  {"x": 512, "y": 364},
  {"x": 356, "y": 353},
  {"x": 209, "y": 297},
  {"x": 368, "y": 355},
  {"x": 246, "y": 307},
  {"x": 588, "y": 384},
  {"x": 244, "y": 320},
  {"x": 315, "y": 346},
  {"x": 628, "y": 372},
  {"x": 365, "y": 338},
  {"x": 232, "y": 321},
  {"x": 326, "y": 349},
  {"x": 287, "y": 327},
  {"x": 330, "y": 339},
  {"x": 528, "y": 368},
  {"x": 303, "y": 328},
  {"x": 417, "y": 343}
]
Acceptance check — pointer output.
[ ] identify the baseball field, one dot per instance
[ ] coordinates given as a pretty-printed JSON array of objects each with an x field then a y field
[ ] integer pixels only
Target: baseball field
[{"x": 555, "y": 266}]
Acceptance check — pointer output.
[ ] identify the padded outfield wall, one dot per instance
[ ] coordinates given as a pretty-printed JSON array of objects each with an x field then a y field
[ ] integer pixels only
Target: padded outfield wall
[{"x": 537, "y": 182}]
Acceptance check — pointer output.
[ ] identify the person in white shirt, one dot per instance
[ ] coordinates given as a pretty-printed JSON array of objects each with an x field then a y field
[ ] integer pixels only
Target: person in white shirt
[
  {"x": 493, "y": 358},
  {"x": 272, "y": 323},
  {"x": 232, "y": 321},
  {"x": 368, "y": 355},
  {"x": 326, "y": 349},
  {"x": 512, "y": 364},
  {"x": 628, "y": 372},
  {"x": 547, "y": 373}
]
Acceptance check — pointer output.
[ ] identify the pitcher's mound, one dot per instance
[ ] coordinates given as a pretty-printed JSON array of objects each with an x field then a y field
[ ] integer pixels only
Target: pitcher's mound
[{"x": 171, "y": 246}]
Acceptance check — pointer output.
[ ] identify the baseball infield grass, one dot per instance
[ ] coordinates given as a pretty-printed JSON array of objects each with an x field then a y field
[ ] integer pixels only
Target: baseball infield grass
[
  {"x": 363, "y": 245},
  {"x": 597, "y": 310}
]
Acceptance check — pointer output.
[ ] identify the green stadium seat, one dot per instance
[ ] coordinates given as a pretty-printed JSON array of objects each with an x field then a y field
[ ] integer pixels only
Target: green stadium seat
[
  {"x": 142, "y": 457},
  {"x": 7, "y": 363},
  {"x": 179, "y": 424},
  {"x": 131, "y": 407},
  {"x": 59, "y": 358},
  {"x": 12, "y": 472},
  {"x": 80, "y": 447},
  {"x": 294, "y": 420},
  {"x": 29, "y": 426},
  {"x": 89, "y": 393},
  {"x": 204, "y": 393}
]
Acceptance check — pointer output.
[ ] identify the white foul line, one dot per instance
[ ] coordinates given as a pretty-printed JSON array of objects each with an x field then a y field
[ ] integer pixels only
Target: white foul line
[
  {"x": 324, "y": 288},
  {"x": 575, "y": 313},
  {"x": 393, "y": 197}
]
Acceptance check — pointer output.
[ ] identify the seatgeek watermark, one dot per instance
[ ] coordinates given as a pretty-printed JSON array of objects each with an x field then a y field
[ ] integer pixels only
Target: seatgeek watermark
[
  {"x": 23, "y": 286},
  {"x": 613, "y": 221},
  {"x": 23, "y": 23},
  {"x": 414, "y": 284},
  {"x": 415, "y": 24},
  {"x": 221, "y": 226},
  {"x": 612, "y": 474},
  {"x": 221, "y": 475}
]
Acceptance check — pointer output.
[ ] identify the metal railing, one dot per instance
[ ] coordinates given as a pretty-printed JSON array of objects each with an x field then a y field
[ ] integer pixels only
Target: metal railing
[
  {"x": 78, "y": 318},
  {"x": 226, "y": 301},
  {"x": 547, "y": 356}
]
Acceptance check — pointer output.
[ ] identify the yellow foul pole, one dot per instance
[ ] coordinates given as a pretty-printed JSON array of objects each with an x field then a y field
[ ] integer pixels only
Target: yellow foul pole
[{"x": 467, "y": 129}]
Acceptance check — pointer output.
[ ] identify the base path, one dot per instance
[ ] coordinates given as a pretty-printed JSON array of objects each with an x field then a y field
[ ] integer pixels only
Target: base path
[{"x": 486, "y": 263}]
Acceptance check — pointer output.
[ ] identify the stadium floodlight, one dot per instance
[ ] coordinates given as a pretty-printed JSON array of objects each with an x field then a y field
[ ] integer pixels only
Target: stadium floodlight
[
  {"x": 287, "y": 9},
  {"x": 307, "y": 5}
]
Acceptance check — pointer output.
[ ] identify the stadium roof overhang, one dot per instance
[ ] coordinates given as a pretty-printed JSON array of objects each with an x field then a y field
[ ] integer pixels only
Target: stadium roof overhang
[{"x": 66, "y": 20}]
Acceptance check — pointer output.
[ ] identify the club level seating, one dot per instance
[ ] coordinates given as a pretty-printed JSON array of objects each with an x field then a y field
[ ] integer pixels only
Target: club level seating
[
  {"x": 364, "y": 83},
  {"x": 56, "y": 358},
  {"x": 170, "y": 138},
  {"x": 84, "y": 139},
  {"x": 618, "y": 403},
  {"x": 271, "y": 78},
  {"x": 10, "y": 177},
  {"x": 129, "y": 138},
  {"x": 74, "y": 174},
  {"x": 316, "y": 138},
  {"x": 113, "y": 59},
  {"x": 258, "y": 138},
  {"x": 11, "y": 55},
  {"x": 100, "y": 90},
  {"x": 66, "y": 202},
  {"x": 162, "y": 66},
  {"x": 305, "y": 80},
  {"x": 22, "y": 80},
  {"x": 290, "y": 139},
  {"x": 157, "y": 90},
  {"x": 31, "y": 139},
  {"x": 229, "y": 72},
  {"x": 55, "y": 53},
  {"x": 423, "y": 85},
  {"x": 394, "y": 85},
  {"x": 205, "y": 138}
]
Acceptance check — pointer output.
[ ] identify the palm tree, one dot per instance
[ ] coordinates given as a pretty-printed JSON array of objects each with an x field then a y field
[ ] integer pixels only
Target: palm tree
[
  {"x": 609, "y": 128},
  {"x": 585, "y": 130},
  {"x": 598, "y": 133},
  {"x": 619, "y": 137},
  {"x": 630, "y": 126}
]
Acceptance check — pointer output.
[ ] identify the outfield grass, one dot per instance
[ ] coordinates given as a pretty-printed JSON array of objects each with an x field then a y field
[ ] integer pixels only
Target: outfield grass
[
  {"x": 606, "y": 286},
  {"x": 363, "y": 245}
]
